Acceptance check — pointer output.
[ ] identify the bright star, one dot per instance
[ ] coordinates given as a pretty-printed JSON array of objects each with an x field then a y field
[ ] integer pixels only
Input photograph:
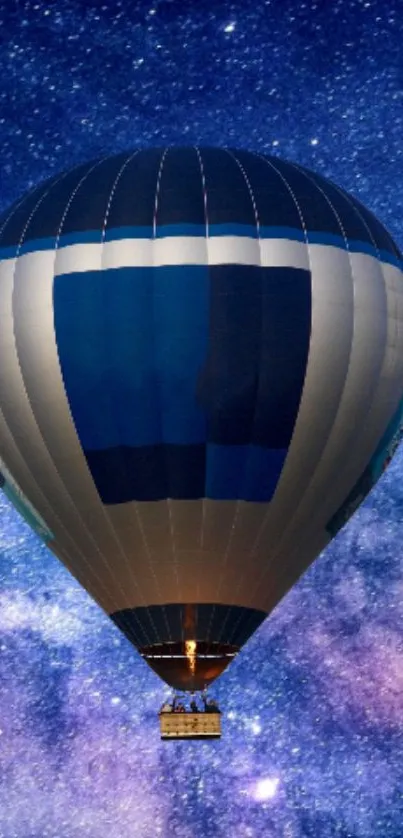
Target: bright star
[
  {"x": 266, "y": 788},
  {"x": 229, "y": 27}
]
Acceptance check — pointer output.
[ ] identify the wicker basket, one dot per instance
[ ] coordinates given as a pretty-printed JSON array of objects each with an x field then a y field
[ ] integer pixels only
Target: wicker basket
[{"x": 190, "y": 725}]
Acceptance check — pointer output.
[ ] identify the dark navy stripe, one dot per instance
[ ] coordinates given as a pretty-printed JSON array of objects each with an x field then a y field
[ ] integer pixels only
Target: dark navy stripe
[
  {"x": 228, "y": 196},
  {"x": 276, "y": 232},
  {"x": 89, "y": 203},
  {"x": 180, "y": 194},
  {"x": 186, "y": 229},
  {"x": 118, "y": 233},
  {"x": 212, "y": 623},
  {"x": 190, "y": 472},
  {"x": 173, "y": 230},
  {"x": 53, "y": 213},
  {"x": 316, "y": 210},
  {"x": 133, "y": 203},
  {"x": 42, "y": 223},
  {"x": 148, "y": 473},
  {"x": 274, "y": 202},
  {"x": 2, "y": 480},
  {"x": 350, "y": 221}
]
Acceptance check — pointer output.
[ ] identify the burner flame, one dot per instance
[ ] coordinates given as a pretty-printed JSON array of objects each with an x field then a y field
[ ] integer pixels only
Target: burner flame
[{"x": 190, "y": 652}]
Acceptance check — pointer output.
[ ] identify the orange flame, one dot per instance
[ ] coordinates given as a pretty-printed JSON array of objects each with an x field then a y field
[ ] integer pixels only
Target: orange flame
[{"x": 190, "y": 652}]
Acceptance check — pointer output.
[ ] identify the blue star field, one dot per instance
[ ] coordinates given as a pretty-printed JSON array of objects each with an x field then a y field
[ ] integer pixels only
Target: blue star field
[{"x": 313, "y": 707}]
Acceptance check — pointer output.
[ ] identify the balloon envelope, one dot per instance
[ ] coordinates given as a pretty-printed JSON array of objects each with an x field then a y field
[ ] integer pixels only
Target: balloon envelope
[{"x": 201, "y": 377}]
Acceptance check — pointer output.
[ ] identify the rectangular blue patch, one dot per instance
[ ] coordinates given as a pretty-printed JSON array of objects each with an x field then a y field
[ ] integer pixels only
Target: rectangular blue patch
[
  {"x": 131, "y": 343},
  {"x": 184, "y": 381}
]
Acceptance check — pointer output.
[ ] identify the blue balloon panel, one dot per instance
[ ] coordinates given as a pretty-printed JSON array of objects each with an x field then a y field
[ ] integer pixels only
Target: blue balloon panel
[
  {"x": 184, "y": 381},
  {"x": 131, "y": 343}
]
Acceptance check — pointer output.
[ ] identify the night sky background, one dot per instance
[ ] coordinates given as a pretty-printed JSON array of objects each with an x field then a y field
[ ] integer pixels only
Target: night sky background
[{"x": 313, "y": 724}]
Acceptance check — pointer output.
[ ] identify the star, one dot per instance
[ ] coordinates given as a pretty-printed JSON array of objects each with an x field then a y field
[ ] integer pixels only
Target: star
[{"x": 266, "y": 789}]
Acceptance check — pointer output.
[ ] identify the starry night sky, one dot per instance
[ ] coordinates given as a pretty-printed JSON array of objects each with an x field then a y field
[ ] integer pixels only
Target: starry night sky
[{"x": 313, "y": 727}]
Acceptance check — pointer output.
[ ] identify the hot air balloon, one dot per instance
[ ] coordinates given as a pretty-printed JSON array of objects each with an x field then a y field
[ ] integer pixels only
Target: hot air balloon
[{"x": 201, "y": 378}]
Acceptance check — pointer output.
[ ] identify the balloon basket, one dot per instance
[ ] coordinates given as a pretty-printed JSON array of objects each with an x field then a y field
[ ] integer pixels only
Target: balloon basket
[{"x": 190, "y": 725}]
